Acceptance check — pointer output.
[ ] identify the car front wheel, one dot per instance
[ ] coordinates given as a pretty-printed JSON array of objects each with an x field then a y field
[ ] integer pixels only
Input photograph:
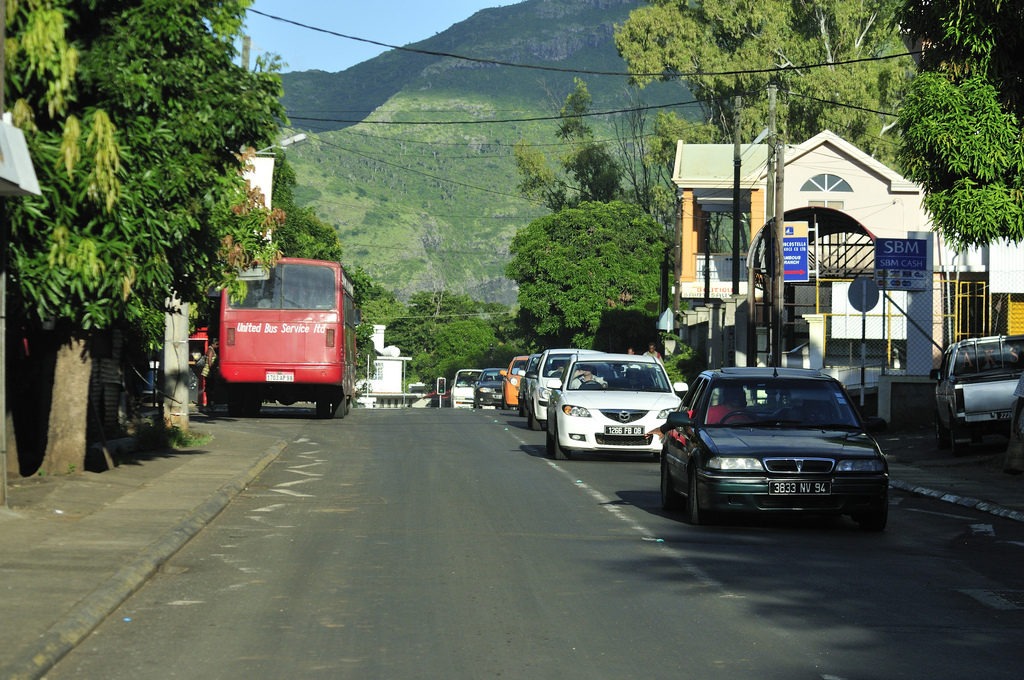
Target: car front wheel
[
  {"x": 556, "y": 448},
  {"x": 941, "y": 433},
  {"x": 670, "y": 499},
  {"x": 693, "y": 513},
  {"x": 957, "y": 446},
  {"x": 532, "y": 421}
]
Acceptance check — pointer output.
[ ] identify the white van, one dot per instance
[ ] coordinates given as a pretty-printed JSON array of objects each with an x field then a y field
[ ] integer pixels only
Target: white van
[{"x": 462, "y": 387}]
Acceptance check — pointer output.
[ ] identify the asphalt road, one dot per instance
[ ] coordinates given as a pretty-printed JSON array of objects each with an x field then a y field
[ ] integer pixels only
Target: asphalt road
[{"x": 444, "y": 544}]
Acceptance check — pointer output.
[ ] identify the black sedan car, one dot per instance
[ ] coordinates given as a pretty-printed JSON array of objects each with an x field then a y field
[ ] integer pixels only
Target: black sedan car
[
  {"x": 772, "y": 440},
  {"x": 488, "y": 389}
]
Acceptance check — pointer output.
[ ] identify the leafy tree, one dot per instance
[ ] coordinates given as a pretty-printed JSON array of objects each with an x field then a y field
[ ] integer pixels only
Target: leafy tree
[
  {"x": 134, "y": 112},
  {"x": 724, "y": 48},
  {"x": 588, "y": 171},
  {"x": 301, "y": 233},
  {"x": 576, "y": 266},
  {"x": 962, "y": 119},
  {"x": 461, "y": 343}
]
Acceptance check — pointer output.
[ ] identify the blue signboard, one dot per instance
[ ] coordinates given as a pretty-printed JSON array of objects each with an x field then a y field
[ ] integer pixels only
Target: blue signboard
[
  {"x": 902, "y": 263},
  {"x": 794, "y": 259}
]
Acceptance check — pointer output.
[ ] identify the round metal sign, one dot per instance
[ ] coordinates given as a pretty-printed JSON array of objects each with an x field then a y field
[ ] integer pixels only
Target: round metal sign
[{"x": 863, "y": 294}]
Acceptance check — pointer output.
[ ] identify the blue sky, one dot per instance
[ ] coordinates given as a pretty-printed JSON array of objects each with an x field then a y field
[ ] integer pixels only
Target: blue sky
[{"x": 395, "y": 22}]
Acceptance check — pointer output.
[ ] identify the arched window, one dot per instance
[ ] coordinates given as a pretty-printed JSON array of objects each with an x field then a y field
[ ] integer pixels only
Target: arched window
[{"x": 826, "y": 182}]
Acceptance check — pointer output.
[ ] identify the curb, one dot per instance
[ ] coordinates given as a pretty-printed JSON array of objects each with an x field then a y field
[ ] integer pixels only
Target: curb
[
  {"x": 965, "y": 501},
  {"x": 64, "y": 635}
]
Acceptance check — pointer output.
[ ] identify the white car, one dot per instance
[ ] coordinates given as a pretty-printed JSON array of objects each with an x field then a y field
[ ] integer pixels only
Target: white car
[
  {"x": 463, "y": 385},
  {"x": 610, "y": 403},
  {"x": 539, "y": 380}
]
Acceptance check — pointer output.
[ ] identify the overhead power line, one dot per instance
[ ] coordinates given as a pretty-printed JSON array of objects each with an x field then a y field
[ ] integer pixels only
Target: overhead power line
[{"x": 559, "y": 69}]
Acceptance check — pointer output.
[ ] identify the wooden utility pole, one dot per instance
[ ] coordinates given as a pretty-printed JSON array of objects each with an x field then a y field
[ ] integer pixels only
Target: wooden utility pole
[
  {"x": 737, "y": 223},
  {"x": 778, "y": 296}
]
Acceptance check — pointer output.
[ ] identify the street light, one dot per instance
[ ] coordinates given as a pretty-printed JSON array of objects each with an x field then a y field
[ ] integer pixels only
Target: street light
[{"x": 287, "y": 141}]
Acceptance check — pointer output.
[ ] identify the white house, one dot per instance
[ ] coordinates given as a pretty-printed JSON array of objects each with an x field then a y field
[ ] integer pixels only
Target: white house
[{"x": 385, "y": 383}]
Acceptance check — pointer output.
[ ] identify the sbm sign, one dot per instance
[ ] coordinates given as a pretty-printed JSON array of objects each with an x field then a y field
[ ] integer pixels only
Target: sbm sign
[{"x": 902, "y": 263}]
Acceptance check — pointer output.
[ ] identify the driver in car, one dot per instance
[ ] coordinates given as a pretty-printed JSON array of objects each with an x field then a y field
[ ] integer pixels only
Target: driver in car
[
  {"x": 731, "y": 398},
  {"x": 584, "y": 377}
]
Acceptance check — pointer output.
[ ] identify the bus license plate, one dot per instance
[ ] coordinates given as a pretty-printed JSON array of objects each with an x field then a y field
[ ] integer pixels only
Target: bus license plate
[
  {"x": 280, "y": 376},
  {"x": 786, "y": 488},
  {"x": 624, "y": 429}
]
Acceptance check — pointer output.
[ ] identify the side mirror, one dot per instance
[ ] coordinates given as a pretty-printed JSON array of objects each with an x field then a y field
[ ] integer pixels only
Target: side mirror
[
  {"x": 555, "y": 384},
  {"x": 934, "y": 374},
  {"x": 519, "y": 371},
  {"x": 678, "y": 419},
  {"x": 680, "y": 387},
  {"x": 531, "y": 374}
]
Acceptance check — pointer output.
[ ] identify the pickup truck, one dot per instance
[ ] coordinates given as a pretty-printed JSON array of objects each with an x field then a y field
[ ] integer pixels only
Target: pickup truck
[{"x": 974, "y": 389}]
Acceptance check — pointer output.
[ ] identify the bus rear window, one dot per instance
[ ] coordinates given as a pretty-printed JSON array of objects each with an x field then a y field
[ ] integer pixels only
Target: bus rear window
[{"x": 291, "y": 286}]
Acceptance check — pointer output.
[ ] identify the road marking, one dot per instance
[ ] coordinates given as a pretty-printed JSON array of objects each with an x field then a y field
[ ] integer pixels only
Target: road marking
[
  {"x": 271, "y": 508},
  {"x": 303, "y": 472},
  {"x": 616, "y": 509},
  {"x": 294, "y": 482},
  {"x": 1006, "y": 600},
  {"x": 296, "y": 494}
]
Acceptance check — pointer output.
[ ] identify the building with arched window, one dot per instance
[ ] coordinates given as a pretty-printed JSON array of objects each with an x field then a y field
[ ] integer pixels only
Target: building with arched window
[{"x": 839, "y": 204}]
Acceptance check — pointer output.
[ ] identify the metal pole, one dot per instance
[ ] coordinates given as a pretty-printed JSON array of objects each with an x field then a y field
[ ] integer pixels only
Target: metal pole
[{"x": 863, "y": 336}]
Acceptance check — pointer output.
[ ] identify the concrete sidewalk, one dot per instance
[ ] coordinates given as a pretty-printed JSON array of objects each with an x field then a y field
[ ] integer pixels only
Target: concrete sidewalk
[
  {"x": 974, "y": 480},
  {"x": 73, "y": 548}
]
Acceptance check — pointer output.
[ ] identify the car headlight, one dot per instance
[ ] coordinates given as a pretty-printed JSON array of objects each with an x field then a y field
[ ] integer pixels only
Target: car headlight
[
  {"x": 485, "y": 390},
  {"x": 734, "y": 463},
  {"x": 545, "y": 394},
  {"x": 662, "y": 414},
  {"x": 872, "y": 465},
  {"x": 577, "y": 411},
  {"x": 514, "y": 381}
]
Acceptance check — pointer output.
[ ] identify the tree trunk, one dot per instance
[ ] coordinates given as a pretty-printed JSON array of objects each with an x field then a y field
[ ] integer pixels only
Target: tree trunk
[{"x": 65, "y": 441}]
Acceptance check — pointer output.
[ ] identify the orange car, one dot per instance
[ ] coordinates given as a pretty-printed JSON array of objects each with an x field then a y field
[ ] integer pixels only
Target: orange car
[{"x": 510, "y": 389}]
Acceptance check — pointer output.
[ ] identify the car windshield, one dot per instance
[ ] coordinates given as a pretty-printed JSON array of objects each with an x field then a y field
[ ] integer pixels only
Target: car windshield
[
  {"x": 618, "y": 376},
  {"x": 491, "y": 375},
  {"x": 779, "y": 402},
  {"x": 466, "y": 379}
]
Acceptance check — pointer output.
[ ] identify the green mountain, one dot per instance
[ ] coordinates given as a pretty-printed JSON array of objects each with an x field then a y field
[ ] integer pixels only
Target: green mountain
[{"x": 410, "y": 154}]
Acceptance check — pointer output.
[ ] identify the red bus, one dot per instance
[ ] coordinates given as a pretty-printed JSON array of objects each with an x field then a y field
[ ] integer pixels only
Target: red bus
[{"x": 291, "y": 339}]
